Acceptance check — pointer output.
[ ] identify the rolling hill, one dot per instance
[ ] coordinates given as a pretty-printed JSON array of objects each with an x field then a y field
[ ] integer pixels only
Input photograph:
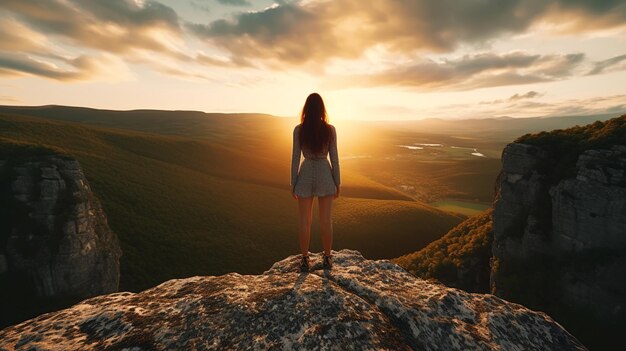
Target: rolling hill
[
  {"x": 185, "y": 206},
  {"x": 191, "y": 193}
]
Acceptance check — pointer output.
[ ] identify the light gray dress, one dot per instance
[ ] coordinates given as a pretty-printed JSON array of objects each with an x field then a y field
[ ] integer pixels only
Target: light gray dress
[{"x": 315, "y": 176}]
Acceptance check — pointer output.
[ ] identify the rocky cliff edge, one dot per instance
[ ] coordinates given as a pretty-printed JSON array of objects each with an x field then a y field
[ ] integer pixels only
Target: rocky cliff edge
[
  {"x": 56, "y": 247},
  {"x": 359, "y": 304},
  {"x": 566, "y": 237}
]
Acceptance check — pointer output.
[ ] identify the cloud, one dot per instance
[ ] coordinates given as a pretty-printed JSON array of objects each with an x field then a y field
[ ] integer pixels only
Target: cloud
[
  {"x": 567, "y": 16},
  {"x": 114, "y": 25},
  {"x": 515, "y": 97},
  {"x": 200, "y": 6},
  {"x": 14, "y": 36},
  {"x": 468, "y": 72},
  {"x": 282, "y": 32},
  {"x": 131, "y": 14},
  {"x": 599, "y": 105},
  {"x": 588, "y": 106},
  {"x": 316, "y": 31},
  {"x": 617, "y": 63},
  {"x": 235, "y": 2},
  {"x": 65, "y": 69},
  {"x": 528, "y": 95},
  {"x": 38, "y": 36},
  {"x": 141, "y": 32},
  {"x": 18, "y": 64},
  {"x": 306, "y": 34}
]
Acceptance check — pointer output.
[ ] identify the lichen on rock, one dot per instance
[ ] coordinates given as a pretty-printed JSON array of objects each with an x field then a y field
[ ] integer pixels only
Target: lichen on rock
[{"x": 358, "y": 305}]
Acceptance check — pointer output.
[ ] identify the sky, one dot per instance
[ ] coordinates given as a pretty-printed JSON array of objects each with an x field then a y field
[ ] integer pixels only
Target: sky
[{"x": 376, "y": 60}]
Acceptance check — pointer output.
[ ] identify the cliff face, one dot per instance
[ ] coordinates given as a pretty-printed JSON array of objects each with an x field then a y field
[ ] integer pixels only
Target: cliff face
[
  {"x": 560, "y": 242},
  {"x": 575, "y": 215},
  {"x": 56, "y": 247},
  {"x": 359, "y": 304}
]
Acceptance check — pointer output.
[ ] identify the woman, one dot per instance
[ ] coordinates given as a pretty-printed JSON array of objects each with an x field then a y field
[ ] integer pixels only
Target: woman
[{"x": 315, "y": 139}]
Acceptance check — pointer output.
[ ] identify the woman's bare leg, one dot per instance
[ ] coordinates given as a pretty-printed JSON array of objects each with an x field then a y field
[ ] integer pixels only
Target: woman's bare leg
[
  {"x": 305, "y": 206},
  {"x": 326, "y": 226}
]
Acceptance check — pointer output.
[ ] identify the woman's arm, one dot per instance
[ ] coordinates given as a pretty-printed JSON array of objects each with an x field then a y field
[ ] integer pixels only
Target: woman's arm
[
  {"x": 295, "y": 157},
  {"x": 334, "y": 158}
]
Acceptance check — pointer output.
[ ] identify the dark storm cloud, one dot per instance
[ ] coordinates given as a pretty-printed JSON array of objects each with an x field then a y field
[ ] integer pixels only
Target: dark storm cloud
[
  {"x": 469, "y": 72},
  {"x": 299, "y": 32},
  {"x": 617, "y": 63}
]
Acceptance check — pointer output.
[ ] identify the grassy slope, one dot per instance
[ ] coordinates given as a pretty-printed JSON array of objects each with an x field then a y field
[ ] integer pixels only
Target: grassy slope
[
  {"x": 461, "y": 207},
  {"x": 459, "y": 259},
  {"x": 184, "y": 207}
]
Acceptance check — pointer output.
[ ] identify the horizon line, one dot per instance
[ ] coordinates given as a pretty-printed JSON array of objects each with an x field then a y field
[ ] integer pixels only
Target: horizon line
[{"x": 295, "y": 116}]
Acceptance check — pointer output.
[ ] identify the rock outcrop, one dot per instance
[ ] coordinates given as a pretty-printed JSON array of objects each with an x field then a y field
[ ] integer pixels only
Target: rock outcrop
[
  {"x": 359, "y": 304},
  {"x": 560, "y": 242},
  {"x": 56, "y": 247}
]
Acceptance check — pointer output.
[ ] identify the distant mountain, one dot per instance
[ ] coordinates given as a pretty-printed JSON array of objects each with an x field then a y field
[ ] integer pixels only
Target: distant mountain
[
  {"x": 197, "y": 123},
  {"x": 188, "y": 123},
  {"x": 503, "y": 128}
]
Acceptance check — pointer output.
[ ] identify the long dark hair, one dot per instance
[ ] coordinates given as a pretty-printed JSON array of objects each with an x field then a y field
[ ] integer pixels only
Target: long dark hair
[{"x": 314, "y": 130}]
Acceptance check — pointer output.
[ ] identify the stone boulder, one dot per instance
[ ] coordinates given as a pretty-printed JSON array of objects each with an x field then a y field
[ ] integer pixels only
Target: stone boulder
[
  {"x": 358, "y": 305},
  {"x": 56, "y": 247}
]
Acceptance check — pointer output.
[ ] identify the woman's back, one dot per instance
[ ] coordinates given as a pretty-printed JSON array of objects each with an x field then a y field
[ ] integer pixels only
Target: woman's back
[
  {"x": 327, "y": 149},
  {"x": 308, "y": 152}
]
